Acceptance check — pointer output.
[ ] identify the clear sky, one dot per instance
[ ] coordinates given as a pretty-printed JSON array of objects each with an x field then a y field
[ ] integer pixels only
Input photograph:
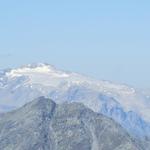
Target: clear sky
[{"x": 104, "y": 39}]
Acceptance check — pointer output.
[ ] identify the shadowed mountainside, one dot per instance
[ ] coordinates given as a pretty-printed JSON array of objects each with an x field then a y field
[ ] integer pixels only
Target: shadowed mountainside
[{"x": 44, "y": 125}]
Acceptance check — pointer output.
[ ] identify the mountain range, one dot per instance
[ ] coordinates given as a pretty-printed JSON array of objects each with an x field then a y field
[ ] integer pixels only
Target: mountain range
[{"x": 126, "y": 105}]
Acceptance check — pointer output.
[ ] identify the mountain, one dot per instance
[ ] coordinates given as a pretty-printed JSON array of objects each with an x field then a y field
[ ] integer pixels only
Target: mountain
[
  {"x": 44, "y": 125},
  {"x": 126, "y": 105}
]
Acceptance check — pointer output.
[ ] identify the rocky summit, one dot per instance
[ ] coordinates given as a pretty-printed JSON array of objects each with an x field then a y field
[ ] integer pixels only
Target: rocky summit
[{"x": 44, "y": 125}]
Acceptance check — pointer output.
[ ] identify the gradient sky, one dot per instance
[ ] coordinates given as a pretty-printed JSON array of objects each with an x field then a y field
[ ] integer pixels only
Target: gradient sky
[{"x": 103, "y": 39}]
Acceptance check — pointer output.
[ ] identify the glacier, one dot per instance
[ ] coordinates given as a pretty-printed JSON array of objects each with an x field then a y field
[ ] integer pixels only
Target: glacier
[{"x": 128, "y": 106}]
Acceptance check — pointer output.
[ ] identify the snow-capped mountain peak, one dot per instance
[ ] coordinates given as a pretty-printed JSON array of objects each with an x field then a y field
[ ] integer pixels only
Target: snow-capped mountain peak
[{"x": 34, "y": 69}]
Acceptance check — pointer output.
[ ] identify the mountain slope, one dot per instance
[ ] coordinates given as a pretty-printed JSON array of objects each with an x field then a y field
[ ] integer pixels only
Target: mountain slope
[
  {"x": 124, "y": 104},
  {"x": 43, "y": 125}
]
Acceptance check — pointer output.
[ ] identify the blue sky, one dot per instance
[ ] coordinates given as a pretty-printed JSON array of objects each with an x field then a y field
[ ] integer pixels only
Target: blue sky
[{"x": 103, "y": 39}]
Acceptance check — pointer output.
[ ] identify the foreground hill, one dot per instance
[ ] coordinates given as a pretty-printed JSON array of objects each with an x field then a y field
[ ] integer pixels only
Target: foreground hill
[{"x": 44, "y": 125}]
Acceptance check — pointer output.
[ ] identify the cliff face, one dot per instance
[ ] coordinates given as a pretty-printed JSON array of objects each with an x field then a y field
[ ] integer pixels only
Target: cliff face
[{"x": 44, "y": 125}]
